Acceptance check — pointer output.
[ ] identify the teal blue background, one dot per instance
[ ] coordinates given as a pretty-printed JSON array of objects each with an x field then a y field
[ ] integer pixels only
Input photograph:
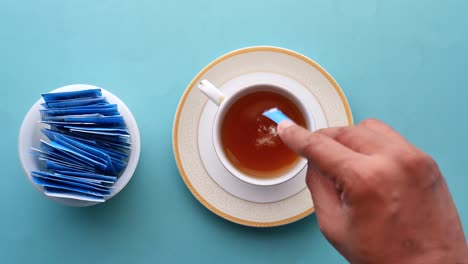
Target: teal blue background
[{"x": 401, "y": 61}]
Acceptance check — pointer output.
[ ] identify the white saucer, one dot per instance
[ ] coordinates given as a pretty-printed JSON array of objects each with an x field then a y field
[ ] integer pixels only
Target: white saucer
[
  {"x": 200, "y": 169},
  {"x": 30, "y": 136}
]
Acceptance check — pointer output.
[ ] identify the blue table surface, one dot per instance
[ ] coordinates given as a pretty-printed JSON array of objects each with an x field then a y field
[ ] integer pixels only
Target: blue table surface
[{"x": 401, "y": 61}]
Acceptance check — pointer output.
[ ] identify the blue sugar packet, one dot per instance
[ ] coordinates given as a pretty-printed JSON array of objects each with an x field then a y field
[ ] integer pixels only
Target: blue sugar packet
[
  {"x": 276, "y": 115},
  {"x": 115, "y": 155},
  {"x": 73, "y": 103},
  {"x": 88, "y": 175},
  {"x": 106, "y": 111},
  {"x": 62, "y": 118},
  {"x": 123, "y": 131},
  {"x": 103, "y": 105},
  {"x": 102, "y": 120},
  {"x": 99, "y": 104},
  {"x": 90, "y": 152},
  {"x": 83, "y": 134},
  {"x": 96, "y": 156},
  {"x": 58, "y": 178},
  {"x": 105, "y": 130},
  {"x": 102, "y": 133},
  {"x": 63, "y": 123},
  {"x": 69, "y": 187},
  {"x": 117, "y": 150},
  {"x": 118, "y": 164},
  {"x": 58, "y": 163},
  {"x": 78, "y": 156},
  {"x": 107, "y": 184},
  {"x": 83, "y": 160},
  {"x": 54, "y": 165},
  {"x": 88, "y": 145},
  {"x": 60, "y": 193},
  {"x": 116, "y": 144},
  {"x": 47, "y": 152},
  {"x": 89, "y": 93}
]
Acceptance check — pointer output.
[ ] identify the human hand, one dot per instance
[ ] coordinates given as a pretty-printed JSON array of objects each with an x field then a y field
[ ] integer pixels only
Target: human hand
[{"x": 378, "y": 199}]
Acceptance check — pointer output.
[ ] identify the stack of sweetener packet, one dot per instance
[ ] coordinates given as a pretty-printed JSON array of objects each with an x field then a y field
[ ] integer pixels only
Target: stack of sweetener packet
[{"x": 87, "y": 149}]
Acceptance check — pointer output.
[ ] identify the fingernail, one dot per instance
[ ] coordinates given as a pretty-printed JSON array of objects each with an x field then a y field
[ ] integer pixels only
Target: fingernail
[{"x": 285, "y": 124}]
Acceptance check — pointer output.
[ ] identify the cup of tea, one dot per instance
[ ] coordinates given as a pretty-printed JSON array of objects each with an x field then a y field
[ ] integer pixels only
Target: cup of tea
[{"x": 246, "y": 142}]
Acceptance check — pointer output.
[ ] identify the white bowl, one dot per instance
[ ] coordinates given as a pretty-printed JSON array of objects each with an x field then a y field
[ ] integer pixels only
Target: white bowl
[{"x": 30, "y": 135}]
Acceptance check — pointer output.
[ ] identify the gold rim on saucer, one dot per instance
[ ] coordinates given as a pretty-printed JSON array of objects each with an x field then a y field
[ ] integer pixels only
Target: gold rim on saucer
[{"x": 345, "y": 117}]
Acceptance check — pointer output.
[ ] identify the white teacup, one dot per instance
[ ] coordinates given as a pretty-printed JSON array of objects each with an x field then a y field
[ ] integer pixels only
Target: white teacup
[{"x": 224, "y": 103}]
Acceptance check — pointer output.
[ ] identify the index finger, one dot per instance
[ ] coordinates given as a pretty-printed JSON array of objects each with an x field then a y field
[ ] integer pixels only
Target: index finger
[{"x": 329, "y": 156}]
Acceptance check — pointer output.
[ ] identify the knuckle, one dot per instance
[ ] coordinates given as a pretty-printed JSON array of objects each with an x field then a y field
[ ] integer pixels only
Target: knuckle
[
  {"x": 378, "y": 170},
  {"x": 351, "y": 176},
  {"x": 371, "y": 122},
  {"x": 321, "y": 131},
  {"x": 365, "y": 187},
  {"x": 351, "y": 169},
  {"x": 430, "y": 164},
  {"x": 415, "y": 161},
  {"x": 369, "y": 182},
  {"x": 347, "y": 135},
  {"x": 368, "y": 190},
  {"x": 420, "y": 168}
]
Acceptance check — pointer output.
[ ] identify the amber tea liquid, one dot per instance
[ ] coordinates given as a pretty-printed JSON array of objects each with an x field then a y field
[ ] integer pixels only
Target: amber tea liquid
[{"x": 250, "y": 140}]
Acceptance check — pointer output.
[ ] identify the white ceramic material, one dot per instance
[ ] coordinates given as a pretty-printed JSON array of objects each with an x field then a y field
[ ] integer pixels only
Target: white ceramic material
[
  {"x": 252, "y": 83},
  {"x": 201, "y": 169},
  {"x": 216, "y": 162},
  {"x": 30, "y": 135}
]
